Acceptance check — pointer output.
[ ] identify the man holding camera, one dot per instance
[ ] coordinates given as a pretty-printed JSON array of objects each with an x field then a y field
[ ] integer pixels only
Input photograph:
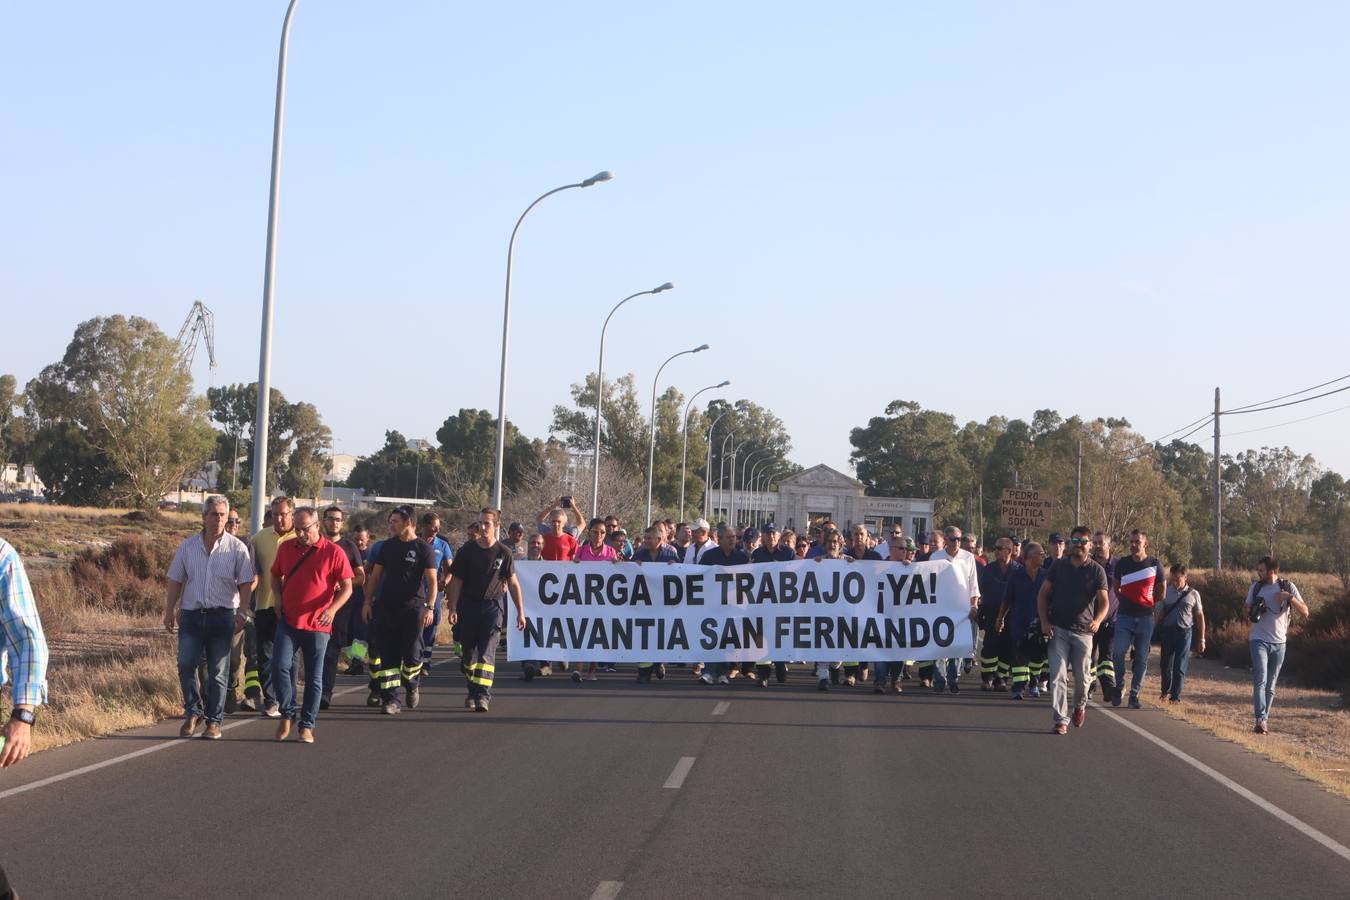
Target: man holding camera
[{"x": 1268, "y": 605}]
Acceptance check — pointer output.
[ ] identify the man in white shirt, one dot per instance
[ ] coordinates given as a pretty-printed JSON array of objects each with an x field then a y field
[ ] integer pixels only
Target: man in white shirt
[
  {"x": 964, "y": 563},
  {"x": 211, "y": 576}
]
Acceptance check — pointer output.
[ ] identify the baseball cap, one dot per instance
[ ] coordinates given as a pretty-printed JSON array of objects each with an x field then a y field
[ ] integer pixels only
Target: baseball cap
[
  {"x": 516, "y": 528},
  {"x": 749, "y": 534},
  {"x": 910, "y": 545},
  {"x": 768, "y": 528},
  {"x": 1056, "y": 537},
  {"x": 701, "y": 524}
]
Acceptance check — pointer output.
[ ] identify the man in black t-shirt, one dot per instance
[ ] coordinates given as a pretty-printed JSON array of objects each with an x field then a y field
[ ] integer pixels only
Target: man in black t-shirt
[
  {"x": 403, "y": 566},
  {"x": 481, "y": 573},
  {"x": 1071, "y": 606}
]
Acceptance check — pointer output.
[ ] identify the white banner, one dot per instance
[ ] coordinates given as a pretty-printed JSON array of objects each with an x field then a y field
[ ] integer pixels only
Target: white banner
[{"x": 831, "y": 610}]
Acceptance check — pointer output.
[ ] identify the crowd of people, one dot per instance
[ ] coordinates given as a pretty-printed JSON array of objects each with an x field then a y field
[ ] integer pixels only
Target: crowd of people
[{"x": 1061, "y": 619}]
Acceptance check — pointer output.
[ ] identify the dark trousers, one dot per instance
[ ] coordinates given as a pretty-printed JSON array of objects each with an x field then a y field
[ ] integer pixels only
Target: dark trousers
[
  {"x": 1029, "y": 661},
  {"x": 1176, "y": 660},
  {"x": 339, "y": 641},
  {"x": 396, "y": 633},
  {"x": 995, "y": 658},
  {"x": 259, "y": 669},
  {"x": 478, "y": 628},
  {"x": 429, "y": 636},
  {"x": 1104, "y": 669}
]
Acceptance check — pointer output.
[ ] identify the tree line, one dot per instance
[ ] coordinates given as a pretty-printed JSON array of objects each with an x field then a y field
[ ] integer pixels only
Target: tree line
[
  {"x": 117, "y": 422},
  {"x": 1274, "y": 500}
]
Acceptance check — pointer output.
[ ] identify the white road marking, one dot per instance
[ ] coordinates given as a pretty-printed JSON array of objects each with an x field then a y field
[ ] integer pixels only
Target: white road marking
[
  {"x": 1326, "y": 841},
  {"x": 677, "y": 777},
  {"x": 721, "y": 708},
  {"x": 168, "y": 743},
  {"x": 607, "y": 890}
]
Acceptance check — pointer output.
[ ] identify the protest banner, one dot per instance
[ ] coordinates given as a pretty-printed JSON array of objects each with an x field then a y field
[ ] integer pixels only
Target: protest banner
[{"x": 832, "y": 610}]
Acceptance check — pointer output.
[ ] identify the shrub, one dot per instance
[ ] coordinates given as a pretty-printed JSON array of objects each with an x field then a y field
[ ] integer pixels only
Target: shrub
[
  {"x": 1223, "y": 593},
  {"x": 128, "y": 576}
]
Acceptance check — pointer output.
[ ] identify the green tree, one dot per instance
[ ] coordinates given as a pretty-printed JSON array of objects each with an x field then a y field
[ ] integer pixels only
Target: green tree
[
  {"x": 397, "y": 470},
  {"x": 913, "y": 452},
  {"x": 758, "y": 433},
  {"x": 468, "y": 449},
  {"x": 623, "y": 437},
  {"x": 121, "y": 396},
  {"x": 291, "y": 428},
  {"x": 1272, "y": 491},
  {"x": 15, "y": 437}
]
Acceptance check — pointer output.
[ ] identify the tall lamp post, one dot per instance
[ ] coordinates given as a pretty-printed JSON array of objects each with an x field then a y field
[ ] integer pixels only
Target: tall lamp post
[
  {"x": 600, "y": 393},
  {"x": 260, "y": 424},
  {"x": 684, "y": 453},
  {"x": 747, "y": 471},
  {"x": 722, "y": 470},
  {"x": 651, "y": 441},
  {"x": 597, "y": 178},
  {"x": 707, "y": 468},
  {"x": 766, "y": 481}
]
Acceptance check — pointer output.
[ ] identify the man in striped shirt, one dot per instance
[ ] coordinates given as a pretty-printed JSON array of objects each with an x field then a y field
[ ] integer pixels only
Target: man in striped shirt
[{"x": 23, "y": 655}]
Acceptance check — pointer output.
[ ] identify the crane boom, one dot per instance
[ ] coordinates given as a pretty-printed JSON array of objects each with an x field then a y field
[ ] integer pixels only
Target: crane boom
[{"x": 200, "y": 324}]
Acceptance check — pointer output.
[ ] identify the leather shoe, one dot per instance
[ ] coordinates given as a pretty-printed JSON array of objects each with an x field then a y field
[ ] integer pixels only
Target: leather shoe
[
  {"x": 283, "y": 729},
  {"x": 190, "y": 724},
  {"x": 212, "y": 732},
  {"x": 306, "y": 736}
]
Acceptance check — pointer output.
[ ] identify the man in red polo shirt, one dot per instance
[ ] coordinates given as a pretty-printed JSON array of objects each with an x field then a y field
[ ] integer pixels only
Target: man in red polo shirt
[{"x": 311, "y": 580}]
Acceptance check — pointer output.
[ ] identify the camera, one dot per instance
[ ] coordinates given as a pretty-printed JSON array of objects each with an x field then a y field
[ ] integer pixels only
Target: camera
[
  {"x": 566, "y": 502},
  {"x": 1256, "y": 610}
]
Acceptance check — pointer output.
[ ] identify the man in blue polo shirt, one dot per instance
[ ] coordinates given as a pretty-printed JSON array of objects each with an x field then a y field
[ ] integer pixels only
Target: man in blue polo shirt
[{"x": 442, "y": 555}]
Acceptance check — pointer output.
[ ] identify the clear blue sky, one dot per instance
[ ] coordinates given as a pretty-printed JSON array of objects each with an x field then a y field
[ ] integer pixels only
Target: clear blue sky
[{"x": 986, "y": 208}]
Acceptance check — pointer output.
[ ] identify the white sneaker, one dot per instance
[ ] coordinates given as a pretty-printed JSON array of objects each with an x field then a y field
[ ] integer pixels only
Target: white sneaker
[
  {"x": 706, "y": 679},
  {"x": 722, "y": 679},
  {"x": 273, "y": 711}
]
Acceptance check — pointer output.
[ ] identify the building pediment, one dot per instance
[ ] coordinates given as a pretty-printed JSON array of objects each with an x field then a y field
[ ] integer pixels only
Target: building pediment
[{"x": 822, "y": 476}]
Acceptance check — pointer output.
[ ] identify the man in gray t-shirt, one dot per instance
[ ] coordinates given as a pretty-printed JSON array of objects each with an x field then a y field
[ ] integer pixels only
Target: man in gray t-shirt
[
  {"x": 1180, "y": 626},
  {"x": 1278, "y": 596}
]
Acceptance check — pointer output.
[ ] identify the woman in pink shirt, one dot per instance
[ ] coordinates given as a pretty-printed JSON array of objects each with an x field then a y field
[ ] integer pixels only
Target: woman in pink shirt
[{"x": 594, "y": 550}]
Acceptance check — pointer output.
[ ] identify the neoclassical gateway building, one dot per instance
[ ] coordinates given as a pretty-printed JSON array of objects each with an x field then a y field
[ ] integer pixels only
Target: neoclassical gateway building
[{"x": 816, "y": 494}]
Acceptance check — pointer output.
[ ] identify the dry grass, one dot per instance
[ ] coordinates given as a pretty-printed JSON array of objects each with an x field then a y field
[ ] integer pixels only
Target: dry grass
[
  {"x": 1310, "y": 729},
  {"x": 59, "y": 532}
]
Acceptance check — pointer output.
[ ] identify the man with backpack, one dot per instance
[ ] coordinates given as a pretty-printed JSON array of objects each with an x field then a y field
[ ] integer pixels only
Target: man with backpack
[{"x": 1268, "y": 605}]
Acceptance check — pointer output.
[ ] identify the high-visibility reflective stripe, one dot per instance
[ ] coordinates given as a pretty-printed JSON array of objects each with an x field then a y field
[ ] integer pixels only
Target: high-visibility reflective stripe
[
  {"x": 486, "y": 667},
  {"x": 485, "y": 682},
  {"x": 645, "y": 665}
]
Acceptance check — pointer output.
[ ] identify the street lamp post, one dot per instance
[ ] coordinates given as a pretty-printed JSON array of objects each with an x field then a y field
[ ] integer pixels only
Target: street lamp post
[
  {"x": 747, "y": 469},
  {"x": 765, "y": 477},
  {"x": 722, "y": 470},
  {"x": 707, "y": 468},
  {"x": 651, "y": 441},
  {"x": 498, "y": 463},
  {"x": 600, "y": 393},
  {"x": 260, "y": 424},
  {"x": 684, "y": 453}
]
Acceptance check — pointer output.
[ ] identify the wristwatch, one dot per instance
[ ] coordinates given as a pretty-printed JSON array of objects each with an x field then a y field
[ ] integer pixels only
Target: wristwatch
[{"x": 26, "y": 716}]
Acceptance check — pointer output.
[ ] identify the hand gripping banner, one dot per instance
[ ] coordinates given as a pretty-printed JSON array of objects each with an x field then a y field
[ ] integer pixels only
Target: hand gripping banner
[{"x": 810, "y": 610}]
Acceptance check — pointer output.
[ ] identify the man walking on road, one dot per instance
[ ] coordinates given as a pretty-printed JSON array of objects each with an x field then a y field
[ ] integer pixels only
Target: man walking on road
[
  {"x": 311, "y": 580},
  {"x": 347, "y": 625},
  {"x": 968, "y": 571},
  {"x": 1140, "y": 585},
  {"x": 1071, "y": 606},
  {"x": 23, "y": 656},
  {"x": 402, "y": 567},
  {"x": 264, "y": 544},
  {"x": 1181, "y": 616},
  {"x": 481, "y": 575},
  {"x": 212, "y": 577},
  {"x": 1269, "y": 603},
  {"x": 442, "y": 555},
  {"x": 1103, "y": 666}
]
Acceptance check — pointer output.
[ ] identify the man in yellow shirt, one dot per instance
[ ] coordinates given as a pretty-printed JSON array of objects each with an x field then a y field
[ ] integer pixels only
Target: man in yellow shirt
[{"x": 263, "y": 548}]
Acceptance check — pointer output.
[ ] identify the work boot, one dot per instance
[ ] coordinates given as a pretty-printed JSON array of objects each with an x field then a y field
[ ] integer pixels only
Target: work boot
[
  {"x": 390, "y": 708},
  {"x": 660, "y": 671},
  {"x": 248, "y": 704},
  {"x": 412, "y": 695},
  {"x": 374, "y": 699},
  {"x": 528, "y": 671},
  {"x": 482, "y": 705}
]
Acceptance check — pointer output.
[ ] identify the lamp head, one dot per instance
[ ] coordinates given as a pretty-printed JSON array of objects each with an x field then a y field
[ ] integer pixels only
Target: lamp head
[
  {"x": 668, "y": 286},
  {"x": 699, "y": 347},
  {"x": 597, "y": 178},
  {"x": 724, "y": 384}
]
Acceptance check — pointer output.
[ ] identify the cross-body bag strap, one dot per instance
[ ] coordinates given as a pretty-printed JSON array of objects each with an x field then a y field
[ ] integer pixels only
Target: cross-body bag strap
[
  {"x": 1176, "y": 603},
  {"x": 293, "y": 570}
]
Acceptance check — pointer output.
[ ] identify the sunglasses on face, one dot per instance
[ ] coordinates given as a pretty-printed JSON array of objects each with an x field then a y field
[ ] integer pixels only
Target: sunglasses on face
[{"x": 1077, "y": 541}]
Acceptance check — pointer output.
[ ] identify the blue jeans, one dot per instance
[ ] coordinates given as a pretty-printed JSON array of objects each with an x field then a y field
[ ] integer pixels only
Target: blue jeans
[
  {"x": 209, "y": 631},
  {"x": 1176, "y": 659},
  {"x": 1137, "y": 632},
  {"x": 312, "y": 644},
  {"x": 1266, "y": 661},
  {"x": 953, "y": 669}
]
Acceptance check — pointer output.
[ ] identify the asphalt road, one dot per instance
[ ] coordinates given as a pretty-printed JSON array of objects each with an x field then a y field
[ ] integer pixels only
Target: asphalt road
[{"x": 666, "y": 791}]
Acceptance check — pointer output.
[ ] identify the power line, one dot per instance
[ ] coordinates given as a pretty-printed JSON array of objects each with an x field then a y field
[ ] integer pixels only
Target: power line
[
  {"x": 1203, "y": 418},
  {"x": 1287, "y": 396},
  {"x": 1206, "y": 421},
  {"x": 1290, "y": 422},
  {"x": 1242, "y": 411}
]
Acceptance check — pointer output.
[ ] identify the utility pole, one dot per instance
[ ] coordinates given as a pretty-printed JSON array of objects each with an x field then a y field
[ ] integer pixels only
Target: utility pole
[
  {"x": 1078, "y": 488},
  {"x": 1218, "y": 489}
]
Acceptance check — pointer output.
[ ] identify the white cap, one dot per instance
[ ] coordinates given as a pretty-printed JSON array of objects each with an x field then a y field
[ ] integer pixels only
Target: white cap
[{"x": 701, "y": 523}]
